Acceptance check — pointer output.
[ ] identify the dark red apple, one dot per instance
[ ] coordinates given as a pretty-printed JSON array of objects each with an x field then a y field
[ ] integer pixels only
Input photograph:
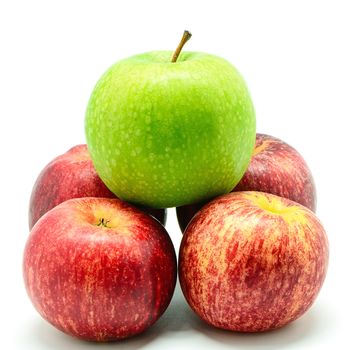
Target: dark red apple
[
  {"x": 252, "y": 261},
  {"x": 71, "y": 175},
  {"x": 275, "y": 168},
  {"x": 99, "y": 269}
]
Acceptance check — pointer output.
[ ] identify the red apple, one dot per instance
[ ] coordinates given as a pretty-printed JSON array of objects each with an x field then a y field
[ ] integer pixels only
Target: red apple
[
  {"x": 275, "y": 168},
  {"x": 99, "y": 269},
  {"x": 71, "y": 175},
  {"x": 252, "y": 261}
]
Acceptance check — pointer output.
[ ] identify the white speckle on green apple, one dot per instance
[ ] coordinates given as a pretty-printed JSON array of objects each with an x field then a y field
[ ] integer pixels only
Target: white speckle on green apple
[{"x": 165, "y": 133}]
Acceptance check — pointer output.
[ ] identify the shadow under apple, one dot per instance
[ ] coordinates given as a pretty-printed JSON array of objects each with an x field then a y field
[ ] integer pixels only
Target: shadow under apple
[
  {"x": 179, "y": 319},
  {"x": 314, "y": 323}
]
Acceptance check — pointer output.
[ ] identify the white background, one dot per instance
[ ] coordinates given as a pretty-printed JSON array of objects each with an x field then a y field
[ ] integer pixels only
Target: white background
[{"x": 295, "y": 58}]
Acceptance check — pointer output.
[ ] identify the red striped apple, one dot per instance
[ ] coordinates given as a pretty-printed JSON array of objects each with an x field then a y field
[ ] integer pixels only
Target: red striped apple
[
  {"x": 276, "y": 168},
  {"x": 252, "y": 261},
  {"x": 71, "y": 175},
  {"x": 99, "y": 269}
]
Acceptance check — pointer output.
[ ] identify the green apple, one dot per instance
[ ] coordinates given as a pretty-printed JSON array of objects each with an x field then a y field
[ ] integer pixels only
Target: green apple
[{"x": 164, "y": 134}]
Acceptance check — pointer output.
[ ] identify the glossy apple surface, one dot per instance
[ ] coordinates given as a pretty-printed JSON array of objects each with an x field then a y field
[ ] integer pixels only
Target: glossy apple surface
[
  {"x": 252, "y": 261},
  {"x": 276, "y": 168},
  {"x": 99, "y": 269},
  {"x": 165, "y": 134},
  {"x": 71, "y": 175}
]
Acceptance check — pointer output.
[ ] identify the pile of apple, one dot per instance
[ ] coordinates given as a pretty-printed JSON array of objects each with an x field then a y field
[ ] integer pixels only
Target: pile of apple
[{"x": 173, "y": 130}]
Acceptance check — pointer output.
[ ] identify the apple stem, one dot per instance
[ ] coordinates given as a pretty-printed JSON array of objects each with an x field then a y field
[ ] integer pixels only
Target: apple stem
[
  {"x": 103, "y": 223},
  {"x": 185, "y": 37}
]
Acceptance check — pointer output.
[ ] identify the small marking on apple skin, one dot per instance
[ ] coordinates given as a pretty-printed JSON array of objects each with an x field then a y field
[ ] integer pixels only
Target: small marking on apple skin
[{"x": 249, "y": 269}]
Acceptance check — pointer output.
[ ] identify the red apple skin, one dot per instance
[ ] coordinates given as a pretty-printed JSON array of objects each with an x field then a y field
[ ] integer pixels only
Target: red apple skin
[
  {"x": 252, "y": 261},
  {"x": 278, "y": 168},
  {"x": 275, "y": 168},
  {"x": 71, "y": 175},
  {"x": 99, "y": 283}
]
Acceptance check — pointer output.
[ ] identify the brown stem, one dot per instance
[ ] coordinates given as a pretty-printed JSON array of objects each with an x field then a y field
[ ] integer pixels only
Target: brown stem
[{"x": 185, "y": 37}]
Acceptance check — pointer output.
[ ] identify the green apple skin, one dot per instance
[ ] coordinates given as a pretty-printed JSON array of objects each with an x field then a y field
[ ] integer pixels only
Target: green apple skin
[{"x": 165, "y": 134}]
